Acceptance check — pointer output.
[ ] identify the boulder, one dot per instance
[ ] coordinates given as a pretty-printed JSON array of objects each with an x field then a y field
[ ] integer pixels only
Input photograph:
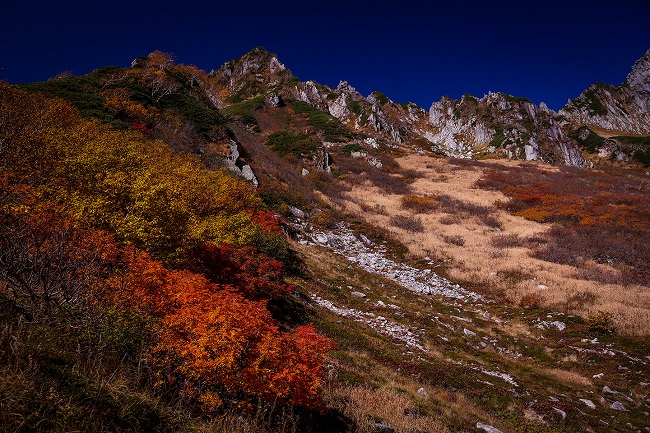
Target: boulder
[{"x": 487, "y": 428}]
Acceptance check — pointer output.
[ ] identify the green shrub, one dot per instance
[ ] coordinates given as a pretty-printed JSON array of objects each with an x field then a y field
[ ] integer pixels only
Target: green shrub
[
  {"x": 380, "y": 97},
  {"x": 499, "y": 137},
  {"x": 192, "y": 109},
  {"x": 244, "y": 111},
  {"x": 78, "y": 91},
  {"x": 283, "y": 143},
  {"x": 352, "y": 147},
  {"x": 329, "y": 126},
  {"x": 600, "y": 321}
]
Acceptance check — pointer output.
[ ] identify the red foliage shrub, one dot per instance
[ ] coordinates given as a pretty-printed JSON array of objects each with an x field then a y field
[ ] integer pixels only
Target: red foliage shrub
[
  {"x": 252, "y": 274},
  {"x": 268, "y": 220},
  {"x": 48, "y": 262}
]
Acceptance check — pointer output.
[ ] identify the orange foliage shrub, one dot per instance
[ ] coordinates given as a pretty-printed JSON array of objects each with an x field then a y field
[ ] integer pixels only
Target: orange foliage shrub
[
  {"x": 216, "y": 339},
  {"x": 418, "y": 203}
]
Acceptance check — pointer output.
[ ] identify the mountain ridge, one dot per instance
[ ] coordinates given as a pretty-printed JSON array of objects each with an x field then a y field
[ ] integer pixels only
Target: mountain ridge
[{"x": 514, "y": 127}]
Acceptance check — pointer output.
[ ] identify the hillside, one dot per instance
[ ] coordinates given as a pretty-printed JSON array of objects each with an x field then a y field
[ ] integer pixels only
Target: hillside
[{"x": 238, "y": 250}]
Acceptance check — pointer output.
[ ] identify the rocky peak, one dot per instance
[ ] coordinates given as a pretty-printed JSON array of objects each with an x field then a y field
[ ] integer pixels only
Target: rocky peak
[
  {"x": 346, "y": 88},
  {"x": 619, "y": 109},
  {"x": 256, "y": 72},
  {"x": 639, "y": 78}
]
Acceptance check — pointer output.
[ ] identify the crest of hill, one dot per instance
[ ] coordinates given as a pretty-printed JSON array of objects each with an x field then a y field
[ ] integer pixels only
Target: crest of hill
[{"x": 258, "y": 71}]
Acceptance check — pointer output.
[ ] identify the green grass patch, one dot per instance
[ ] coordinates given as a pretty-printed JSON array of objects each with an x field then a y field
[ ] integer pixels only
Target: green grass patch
[
  {"x": 243, "y": 111},
  {"x": 328, "y": 125},
  {"x": 284, "y": 143}
]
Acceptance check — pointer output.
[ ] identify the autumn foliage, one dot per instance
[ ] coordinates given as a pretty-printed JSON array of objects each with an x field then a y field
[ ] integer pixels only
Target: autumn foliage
[
  {"x": 95, "y": 220},
  {"x": 212, "y": 336},
  {"x": 599, "y": 216},
  {"x": 256, "y": 276}
]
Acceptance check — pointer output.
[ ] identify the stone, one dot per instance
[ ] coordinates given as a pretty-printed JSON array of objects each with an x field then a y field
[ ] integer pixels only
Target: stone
[
  {"x": 375, "y": 162},
  {"x": 358, "y": 154},
  {"x": 617, "y": 405},
  {"x": 297, "y": 212},
  {"x": 561, "y": 412},
  {"x": 469, "y": 333},
  {"x": 487, "y": 428},
  {"x": 247, "y": 173},
  {"x": 532, "y": 152},
  {"x": 305, "y": 172},
  {"x": 559, "y": 325},
  {"x": 358, "y": 294},
  {"x": 422, "y": 391},
  {"x": 274, "y": 100},
  {"x": 590, "y": 404},
  {"x": 371, "y": 142},
  {"x": 598, "y": 376},
  {"x": 379, "y": 427},
  {"x": 608, "y": 390}
]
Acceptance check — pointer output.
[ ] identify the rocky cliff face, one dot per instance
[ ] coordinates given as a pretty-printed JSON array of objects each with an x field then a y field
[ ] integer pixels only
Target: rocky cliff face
[
  {"x": 257, "y": 72},
  {"x": 500, "y": 125},
  {"x": 496, "y": 125},
  {"x": 623, "y": 109},
  {"x": 374, "y": 115}
]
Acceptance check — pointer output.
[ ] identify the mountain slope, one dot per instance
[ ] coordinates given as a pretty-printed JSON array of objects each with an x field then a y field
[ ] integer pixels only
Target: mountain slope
[{"x": 462, "y": 294}]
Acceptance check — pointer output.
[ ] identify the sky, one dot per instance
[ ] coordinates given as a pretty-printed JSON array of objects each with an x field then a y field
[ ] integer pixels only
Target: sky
[{"x": 414, "y": 51}]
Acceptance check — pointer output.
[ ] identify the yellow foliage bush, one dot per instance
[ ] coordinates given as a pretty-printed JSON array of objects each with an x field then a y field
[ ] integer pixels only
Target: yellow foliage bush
[{"x": 124, "y": 182}]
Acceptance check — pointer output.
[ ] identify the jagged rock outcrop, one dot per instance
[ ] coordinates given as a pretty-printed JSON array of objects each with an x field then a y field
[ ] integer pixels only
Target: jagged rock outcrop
[
  {"x": 256, "y": 72},
  {"x": 322, "y": 161},
  {"x": 620, "y": 109},
  {"x": 500, "y": 125},
  {"x": 375, "y": 114},
  {"x": 496, "y": 125},
  {"x": 233, "y": 162}
]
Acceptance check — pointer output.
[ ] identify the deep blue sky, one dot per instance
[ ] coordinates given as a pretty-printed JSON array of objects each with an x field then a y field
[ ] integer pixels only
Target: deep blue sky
[{"x": 411, "y": 50}]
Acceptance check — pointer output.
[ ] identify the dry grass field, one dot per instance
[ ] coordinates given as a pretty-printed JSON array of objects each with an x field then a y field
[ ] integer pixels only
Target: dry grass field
[{"x": 478, "y": 243}]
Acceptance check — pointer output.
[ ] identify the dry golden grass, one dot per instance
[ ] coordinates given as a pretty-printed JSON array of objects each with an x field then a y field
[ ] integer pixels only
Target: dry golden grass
[
  {"x": 488, "y": 263},
  {"x": 394, "y": 400},
  {"x": 367, "y": 406},
  {"x": 567, "y": 376}
]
